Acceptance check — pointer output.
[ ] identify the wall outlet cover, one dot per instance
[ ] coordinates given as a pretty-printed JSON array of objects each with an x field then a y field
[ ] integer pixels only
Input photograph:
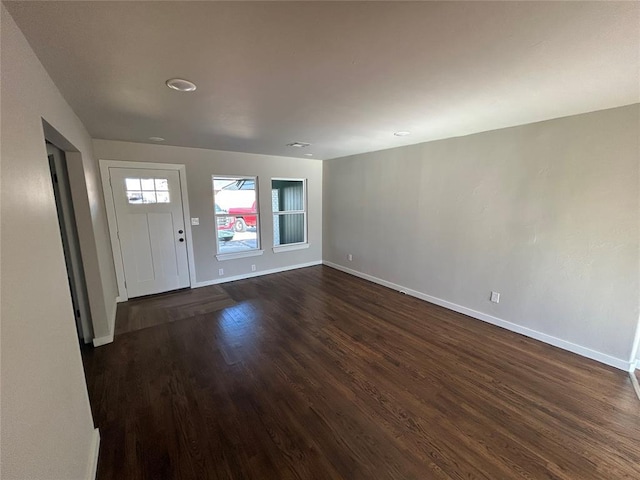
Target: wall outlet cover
[
  {"x": 495, "y": 297},
  {"x": 195, "y": 221}
]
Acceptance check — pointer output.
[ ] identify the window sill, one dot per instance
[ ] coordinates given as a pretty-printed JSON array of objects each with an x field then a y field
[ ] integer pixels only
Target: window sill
[
  {"x": 288, "y": 248},
  {"x": 233, "y": 256}
]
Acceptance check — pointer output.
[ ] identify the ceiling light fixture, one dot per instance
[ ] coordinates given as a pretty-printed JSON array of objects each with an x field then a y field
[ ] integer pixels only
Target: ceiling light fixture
[
  {"x": 402, "y": 134},
  {"x": 181, "y": 85},
  {"x": 298, "y": 144},
  {"x": 156, "y": 139}
]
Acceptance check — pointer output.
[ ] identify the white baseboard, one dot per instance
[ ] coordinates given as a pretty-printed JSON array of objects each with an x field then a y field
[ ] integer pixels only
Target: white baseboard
[
  {"x": 99, "y": 341},
  {"x": 255, "y": 274},
  {"x": 625, "y": 365},
  {"x": 92, "y": 467}
]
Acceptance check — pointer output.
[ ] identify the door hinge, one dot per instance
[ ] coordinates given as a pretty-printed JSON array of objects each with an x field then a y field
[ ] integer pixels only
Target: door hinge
[
  {"x": 78, "y": 313},
  {"x": 55, "y": 177}
]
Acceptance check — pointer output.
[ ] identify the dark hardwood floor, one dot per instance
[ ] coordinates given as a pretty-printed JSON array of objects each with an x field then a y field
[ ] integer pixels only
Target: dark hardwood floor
[
  {"x": 315, "y": 374},
  {"x": 155, "y": 310}
]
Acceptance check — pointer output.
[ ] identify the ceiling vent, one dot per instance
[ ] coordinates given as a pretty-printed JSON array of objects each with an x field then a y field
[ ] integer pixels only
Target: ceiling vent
[{"x": 298, "y": 144}]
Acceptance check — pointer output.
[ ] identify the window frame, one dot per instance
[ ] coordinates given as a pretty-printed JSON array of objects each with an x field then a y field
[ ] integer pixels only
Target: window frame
[
  {"x": 142, "y": 190},
  {"x": 298, "y": 245},
  {"x": 242, "y": 253}
]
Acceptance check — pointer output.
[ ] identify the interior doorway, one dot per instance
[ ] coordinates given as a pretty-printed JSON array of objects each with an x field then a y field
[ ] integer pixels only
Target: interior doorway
[{"x": 70, "y": 241}]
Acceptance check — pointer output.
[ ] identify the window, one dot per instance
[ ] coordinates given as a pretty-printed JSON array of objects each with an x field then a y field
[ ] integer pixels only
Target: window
[
  {"x": 289, "y": 206},
  {"x": 147, "y": 190},
  {"x": 237, "y": 216}
]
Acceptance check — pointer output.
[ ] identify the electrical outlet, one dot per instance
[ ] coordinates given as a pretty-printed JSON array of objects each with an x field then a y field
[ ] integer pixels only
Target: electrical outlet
[
  {"x": 221, "y": 271},
  {"x": 495, "y": 297},
  {"x": 195, "y": 221},
  {"x": 253, "y": 268},
  {"x": 350, "y": 257}
]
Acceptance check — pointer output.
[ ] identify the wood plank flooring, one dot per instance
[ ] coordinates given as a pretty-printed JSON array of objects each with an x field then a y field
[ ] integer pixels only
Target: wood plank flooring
[
  {"x": 315, "y": 374},
  {"x": 145, "y": 312}
]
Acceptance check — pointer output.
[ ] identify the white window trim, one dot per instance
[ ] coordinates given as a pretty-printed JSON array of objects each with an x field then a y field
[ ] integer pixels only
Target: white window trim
[
  {"x": 245, "y": 253},
  {"x": 301, "y": 245},
  {"x": 289, "y": 247},
  {"x": 235, "y": 255}
]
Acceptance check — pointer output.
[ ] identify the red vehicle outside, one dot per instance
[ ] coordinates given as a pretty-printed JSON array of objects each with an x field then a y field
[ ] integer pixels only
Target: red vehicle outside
[
  {"x": 245, "y": 217},
  {"x": 225, "y": 225}
]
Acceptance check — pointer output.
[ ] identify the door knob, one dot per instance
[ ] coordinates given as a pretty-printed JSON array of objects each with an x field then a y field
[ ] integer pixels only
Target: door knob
[
  {"x": 180, "y": 232},
  {"x": 181, "y": 239}
]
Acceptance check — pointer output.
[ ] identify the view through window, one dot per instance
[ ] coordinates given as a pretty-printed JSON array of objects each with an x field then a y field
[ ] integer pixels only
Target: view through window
[
  {"x": 289, "y": 206},
  {"x": 237, "y": 214}
]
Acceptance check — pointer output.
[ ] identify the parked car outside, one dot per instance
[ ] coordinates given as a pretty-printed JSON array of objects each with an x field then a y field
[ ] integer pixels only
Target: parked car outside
[{"x": 225, "y": 225}]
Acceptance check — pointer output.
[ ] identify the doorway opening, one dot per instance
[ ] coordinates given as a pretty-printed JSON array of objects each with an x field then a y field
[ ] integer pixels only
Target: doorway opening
[{"x": 70, "y": 241}]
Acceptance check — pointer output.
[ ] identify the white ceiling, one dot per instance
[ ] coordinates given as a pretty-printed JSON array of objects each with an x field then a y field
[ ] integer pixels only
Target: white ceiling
[{"x": 342, "y": 76}]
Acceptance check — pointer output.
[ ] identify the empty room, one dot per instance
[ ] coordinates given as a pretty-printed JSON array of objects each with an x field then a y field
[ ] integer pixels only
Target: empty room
[{"x": 320, "y": 240}]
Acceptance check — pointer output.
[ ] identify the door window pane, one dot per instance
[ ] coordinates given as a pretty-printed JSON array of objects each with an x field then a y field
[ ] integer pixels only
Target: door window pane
[
  {"x": 148, "y": 197},
  {"x": 134, "y": 197},
  {"x": 132, "y": 183},
  {"x": 147, "y": 190},
  {"x": 163, "y": 197},
  {"x": 147, "y": 184},
  {"x": 162, "y": 184}
]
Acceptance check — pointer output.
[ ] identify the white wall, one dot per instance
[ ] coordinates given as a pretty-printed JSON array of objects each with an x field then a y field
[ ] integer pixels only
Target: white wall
[
  {"x": 47, "y": 429},
  {"x": 546, "y": 214},
  {"x": 200, "y": 165}
]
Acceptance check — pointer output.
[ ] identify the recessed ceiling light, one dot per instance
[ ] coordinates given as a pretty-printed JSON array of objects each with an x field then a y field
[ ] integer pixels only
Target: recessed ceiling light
[
  {"x": 298, "y": 144},
  {"x": 308, "y": 154},
  {"x": 156, "y": 139},
  {"x": 181, "y": 85},
  {"x": 402, "y": 134}
]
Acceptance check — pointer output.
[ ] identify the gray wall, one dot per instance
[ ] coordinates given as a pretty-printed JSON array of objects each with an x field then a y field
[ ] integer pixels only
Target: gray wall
[
  {"x": 546, "y": 214},
  {"x": 47, "y": 429},
  {"x": 200, "y": 165}
]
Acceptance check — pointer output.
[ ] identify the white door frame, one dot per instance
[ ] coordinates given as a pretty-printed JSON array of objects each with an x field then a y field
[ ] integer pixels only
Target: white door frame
[{"x": 111, "y": 215}]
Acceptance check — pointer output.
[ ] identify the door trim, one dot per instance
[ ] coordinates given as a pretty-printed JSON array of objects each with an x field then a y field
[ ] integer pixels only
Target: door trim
[
  {"x": 70, "y": 237},
  {"x": 111, "y": 215}
]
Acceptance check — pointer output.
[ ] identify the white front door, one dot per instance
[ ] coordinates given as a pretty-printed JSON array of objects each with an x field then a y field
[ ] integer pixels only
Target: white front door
[{"x": 150, "y": 222}]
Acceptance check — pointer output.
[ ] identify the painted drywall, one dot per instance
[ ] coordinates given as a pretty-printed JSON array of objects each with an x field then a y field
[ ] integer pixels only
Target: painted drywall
[
  {"x": 47, "y": 429},
  {"x": 200, "y": 165},
  {"x": 546, "y": 214}
]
